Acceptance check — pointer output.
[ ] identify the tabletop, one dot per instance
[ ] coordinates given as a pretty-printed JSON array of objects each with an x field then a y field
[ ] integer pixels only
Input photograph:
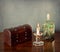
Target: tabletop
[{"x": 48, "y": 46}]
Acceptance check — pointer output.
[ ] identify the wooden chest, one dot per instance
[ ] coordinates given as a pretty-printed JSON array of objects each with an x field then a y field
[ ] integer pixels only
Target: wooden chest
[{"x": 18, "y": 35}]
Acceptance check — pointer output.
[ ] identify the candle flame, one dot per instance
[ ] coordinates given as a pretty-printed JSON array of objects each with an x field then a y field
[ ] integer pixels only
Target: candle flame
[{"x": 38, "y": 25}]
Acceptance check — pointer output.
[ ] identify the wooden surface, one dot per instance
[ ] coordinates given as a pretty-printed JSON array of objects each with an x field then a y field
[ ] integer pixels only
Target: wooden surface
[{"x": 28, "y": 47}]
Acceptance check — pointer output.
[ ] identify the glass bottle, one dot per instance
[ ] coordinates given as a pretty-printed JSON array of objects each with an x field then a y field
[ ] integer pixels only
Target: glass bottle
[{"x": 48, "y": 29}]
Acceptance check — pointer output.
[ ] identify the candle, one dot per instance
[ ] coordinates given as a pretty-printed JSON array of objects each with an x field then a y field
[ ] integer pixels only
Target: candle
[
  {"x": 48, "y": 16},
  {"x": 38, "y": 29}
]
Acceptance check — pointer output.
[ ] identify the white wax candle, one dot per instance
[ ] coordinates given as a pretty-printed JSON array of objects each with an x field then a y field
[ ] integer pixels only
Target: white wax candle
[
  {"x": 38, "y": 29},
  {"x": 48, "y": 16}
]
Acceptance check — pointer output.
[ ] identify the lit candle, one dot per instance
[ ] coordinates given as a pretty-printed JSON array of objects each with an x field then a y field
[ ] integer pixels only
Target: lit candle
[
  {"x": 48, "y": 16},
  {"x": 38, "y": 29}
]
